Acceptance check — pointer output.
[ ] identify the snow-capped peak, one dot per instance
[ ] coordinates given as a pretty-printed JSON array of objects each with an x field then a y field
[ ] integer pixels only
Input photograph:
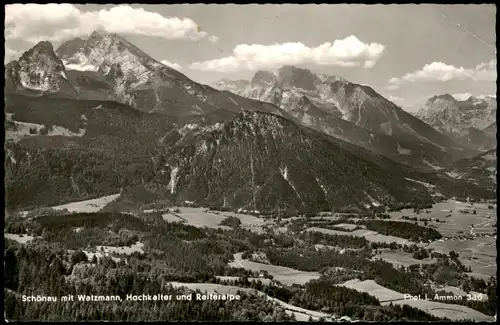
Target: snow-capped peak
[{"x": 102, "y": 51}]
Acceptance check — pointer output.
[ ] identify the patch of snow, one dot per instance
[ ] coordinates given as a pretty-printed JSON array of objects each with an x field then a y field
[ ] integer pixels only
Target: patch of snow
[
  {"x": 173, "y": 179},
  {"x": 374, "y": 202},
  {"x": 431, "y": 165},
  {"x": 453, "y": 174},
  {"x": 60, "y": 131},
  {"x": 11, "y": 157},
  {"x": 322, "y": 186},
  {"x": 402, "y": 151},
  {"x": 420, "y": 182},
  {"x": 80, "y": 67},
  {"x": 284, "y": 172}
]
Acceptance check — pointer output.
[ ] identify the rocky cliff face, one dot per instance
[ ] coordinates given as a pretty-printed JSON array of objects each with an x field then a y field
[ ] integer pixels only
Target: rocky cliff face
[
  {"x": 136, "y": 79},
  {"x": 471, "y": 122},
  {"x": 259, "y": 161},
  {"x": 38, "y": 70},
  {"x": 348, "y": 111}
]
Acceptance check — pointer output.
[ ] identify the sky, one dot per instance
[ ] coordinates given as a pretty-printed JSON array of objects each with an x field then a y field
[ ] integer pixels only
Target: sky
[{"x": 407, "y": 53}]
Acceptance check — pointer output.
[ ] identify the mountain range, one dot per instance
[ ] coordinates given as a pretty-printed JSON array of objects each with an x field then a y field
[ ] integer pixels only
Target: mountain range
[
  {"x": 108, "y": 67},
  {"x": 351, "y": 112},
  {"x": 470, "y": 122},
  {"x": 98, "y": 116}
]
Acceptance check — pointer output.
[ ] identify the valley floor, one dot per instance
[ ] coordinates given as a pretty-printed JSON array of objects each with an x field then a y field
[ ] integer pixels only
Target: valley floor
[{"x": 338, "y": 234}]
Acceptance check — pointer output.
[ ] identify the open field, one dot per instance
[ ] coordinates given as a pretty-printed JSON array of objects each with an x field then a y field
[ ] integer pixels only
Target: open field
[
  {"x": 101, "y": 251},
  {"x": 454, "y": 290},
  {"x": 371, "y": 236},
  {"x": 478, "y": 253},
  {"x": 439, "y": 309},
  {"x": 325, "y": 247},
  {"x": 285, "y": 275},
  {"x": 224, "y": 289},
  {"x": 137, "y": 247},
  {"x": 250, "y": 222},
  {"x": 22, "y": 130},
  {"x": 346, "y": 226},
  {"x": 201, "y": 217},
  {"x": 477, "y": 275},
  {"x": 23, "y": 239},
  {"x": 454, "y": 221},
  {"x": 374, "y": 289},
  {"x": 93, "y": 205},
  {"x": 171, "y": 218},
  {"x": 98, "y": 255},
  {"x": 197, "y": 217},
  {"x": 399, "y": 258},
  {"x": 246, "y": 219}
]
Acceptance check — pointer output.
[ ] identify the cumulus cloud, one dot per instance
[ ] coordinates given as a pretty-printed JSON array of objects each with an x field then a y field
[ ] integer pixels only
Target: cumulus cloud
[
  {"x": 441, "y": 72},
  {"x": 11, "y": 55},
  {"x": 58, "y": 22},
  {"x": 172, "y": 65},
  {"x": 348, "y": 52},
  {"x": 395, "y": 99},
  {"x": 213, "y": 39},
  {"x": 465, "y": 96}
]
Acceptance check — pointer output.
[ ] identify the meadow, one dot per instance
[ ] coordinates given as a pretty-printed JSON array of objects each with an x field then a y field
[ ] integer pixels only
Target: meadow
[
  {"x": 371, "y": 236},
  {"x": 88, "y": 206},
  {"x": 285, "y": 275},
  {"x": 435, "y": 308},
  {"x": 399, "y": 258}
]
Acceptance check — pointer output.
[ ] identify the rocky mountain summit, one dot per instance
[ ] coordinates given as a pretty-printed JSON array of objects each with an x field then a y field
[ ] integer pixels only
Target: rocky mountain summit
[
  {"x": 472, "y": 122},
  {"x": 348, "y": 111}
]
